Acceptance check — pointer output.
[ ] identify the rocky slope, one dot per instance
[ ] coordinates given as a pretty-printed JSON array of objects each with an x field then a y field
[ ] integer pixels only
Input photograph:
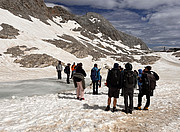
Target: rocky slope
[{"x": 81, "y": 36}]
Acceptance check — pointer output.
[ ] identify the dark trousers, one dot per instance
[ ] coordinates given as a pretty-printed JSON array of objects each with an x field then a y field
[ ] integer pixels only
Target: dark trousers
[
  {"x": 59, "y": 74},
  {"x": 95, "y": 87},
  {"x": 140, "y": 95},
  {"x": 129, "y": 94},
  {"x": 68, "y": 78}
]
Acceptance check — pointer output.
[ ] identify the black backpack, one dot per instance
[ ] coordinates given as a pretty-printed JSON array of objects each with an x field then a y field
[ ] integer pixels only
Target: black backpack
[
  {"x": 114, "y": 79},
  {"x": 129, "y": 79},
  {"x": 149, "y": 81}
]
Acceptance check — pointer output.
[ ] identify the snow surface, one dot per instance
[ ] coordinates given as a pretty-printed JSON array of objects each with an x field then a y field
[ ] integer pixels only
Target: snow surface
[{"x": 63, "y": 112}]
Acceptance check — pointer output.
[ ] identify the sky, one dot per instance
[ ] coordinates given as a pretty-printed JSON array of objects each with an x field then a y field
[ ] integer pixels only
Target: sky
[{"x": 156, "y": 22}]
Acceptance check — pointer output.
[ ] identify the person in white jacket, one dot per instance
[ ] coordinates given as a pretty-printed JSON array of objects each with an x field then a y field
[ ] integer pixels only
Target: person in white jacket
[{"x": 59, "y": 69}]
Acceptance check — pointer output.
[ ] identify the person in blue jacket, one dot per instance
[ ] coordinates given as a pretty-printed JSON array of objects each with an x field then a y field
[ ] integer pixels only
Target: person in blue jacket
[
  {"x": 140, "y": 80},
  {"x": 95, "y": 77}
]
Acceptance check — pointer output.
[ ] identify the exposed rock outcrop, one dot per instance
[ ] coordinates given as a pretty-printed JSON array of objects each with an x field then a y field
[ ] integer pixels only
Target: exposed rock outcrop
[
  {"x": 8, "y": 32},
  {"x": 145, "y": 60},
  {"x": 32, "y": 60},
  {"x": 37, "y": 61},
  {"x": 19, "y": 50}
]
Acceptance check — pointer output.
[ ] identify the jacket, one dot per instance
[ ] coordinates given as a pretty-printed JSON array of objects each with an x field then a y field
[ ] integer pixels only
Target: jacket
[
  {"x": 59, "y": 67},
  {"x": 81, "y": 77}
]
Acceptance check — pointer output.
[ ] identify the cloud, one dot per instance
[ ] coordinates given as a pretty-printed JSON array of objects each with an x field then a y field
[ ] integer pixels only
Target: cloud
[
  {"x": 111, "y": 4},
  {"x": 101, "y": 4}
]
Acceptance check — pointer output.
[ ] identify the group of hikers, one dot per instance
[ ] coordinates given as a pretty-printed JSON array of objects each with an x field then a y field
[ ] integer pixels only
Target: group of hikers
[{"x": 117, "y": 78}]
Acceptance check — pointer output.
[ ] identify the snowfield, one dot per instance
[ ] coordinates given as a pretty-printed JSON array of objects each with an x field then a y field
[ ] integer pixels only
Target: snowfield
[{"x": 63, "y": 112}]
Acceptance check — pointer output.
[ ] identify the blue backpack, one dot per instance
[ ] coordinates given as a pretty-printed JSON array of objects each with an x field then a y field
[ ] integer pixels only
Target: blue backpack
[{"x": 94, "y": 75}]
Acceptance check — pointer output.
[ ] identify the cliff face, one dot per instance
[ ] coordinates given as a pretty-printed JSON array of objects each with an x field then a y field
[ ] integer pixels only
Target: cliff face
[{"x": 81, "y": 36}]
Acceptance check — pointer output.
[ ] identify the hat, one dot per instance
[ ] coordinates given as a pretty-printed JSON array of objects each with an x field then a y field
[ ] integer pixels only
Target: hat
[
  {"x": 68, "y": 64},
  {"x": 148, "y": 67}
]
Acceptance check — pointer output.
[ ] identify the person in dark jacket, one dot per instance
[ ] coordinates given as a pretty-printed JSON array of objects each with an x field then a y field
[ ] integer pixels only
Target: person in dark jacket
[
  {"x": 144, "y": 90},
  {"x": 95, "y": 77},
  {"x": 67, "y": 71},
  {"x": 59, "y": 69},
  {"x": 78, "y": 78},
  {"x": 129, "y": 83},
  {"x": 114, "y": 83}
]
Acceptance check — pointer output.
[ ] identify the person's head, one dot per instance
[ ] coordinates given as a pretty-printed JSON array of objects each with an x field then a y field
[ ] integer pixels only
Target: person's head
[
  {"x": 128, "y": 66},
  {"x": 59, "y": 62},
  {"x": 147, "y": 68},
  {"x": 140, "y": 71},
  {"x": 116, "y": 65},
  {"x": 68, "y": 64},
  {"x": 80, "y": 64},
  {"x": 95, "y": 65},
  {"x": 74, "y": 63}
]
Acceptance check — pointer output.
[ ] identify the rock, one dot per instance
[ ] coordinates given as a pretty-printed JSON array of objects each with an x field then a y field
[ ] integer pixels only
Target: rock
[
  {"x": 146, "y": 60},
  {"x": 8, "y": 32},
  {"x": 18, "y": 51},
  {"x": 37, "y": 61},
  {"x": 176, "y": 54}
]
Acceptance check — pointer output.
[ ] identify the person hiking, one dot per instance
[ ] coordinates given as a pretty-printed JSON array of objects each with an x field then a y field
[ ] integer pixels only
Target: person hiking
[
  {"x": 59, "y": 69},
  {"x": 95, "y": 77},
  {"x": 79, "y": 81},
  {"x": 67, "y": 71},
  {"x": 149, "y": 79},
  {"x": 114, "y": 84},
  {"x": 136, "y": 73},
  {"x": 73, "y": 69},
  {"x": 129, "y": 83},
  {"x": 140, "y": 80}
]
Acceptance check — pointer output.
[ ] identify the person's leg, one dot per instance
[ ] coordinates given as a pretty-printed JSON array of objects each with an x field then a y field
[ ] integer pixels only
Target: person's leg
[
  {"x": 114, "y": 102},
  {"x": 96, "y": 87},
  {"x": 140, "y": 95},
  {"x": 60, "y": 75},
  {"x": 108, "y": 106},
  {"x": 131, "y": 102},
  {"x": 126, "y": 101},
  {"x": 78, "y": 90},
  {"x": 81, "y": 90},
  {"x": 68, "y": 78},
  {"x": 147, "y": 100}
]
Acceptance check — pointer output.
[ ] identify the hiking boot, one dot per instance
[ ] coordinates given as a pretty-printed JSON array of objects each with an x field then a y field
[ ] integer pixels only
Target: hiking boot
[
  {"x": 137, "y": 108},
  {"x": 145, "y": 108},
  {"x": 125, "y": 111},
  {"x": 130, "y": 111},
  {"x": 78, "y": 98},
  {"x": 82, "y": 99},
  {"x": 107, "y": 108},
  {"x": 114, "y": 109}
]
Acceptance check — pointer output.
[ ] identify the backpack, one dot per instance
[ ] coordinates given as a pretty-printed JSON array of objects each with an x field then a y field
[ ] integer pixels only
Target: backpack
[
  {"x": 149, "y": 81},
  {"x": 65, "y": 70},
  {"x": 114, "y": 79},
  {"x": 94, "y": 75},
  {"x": 129, "y": 79}
]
